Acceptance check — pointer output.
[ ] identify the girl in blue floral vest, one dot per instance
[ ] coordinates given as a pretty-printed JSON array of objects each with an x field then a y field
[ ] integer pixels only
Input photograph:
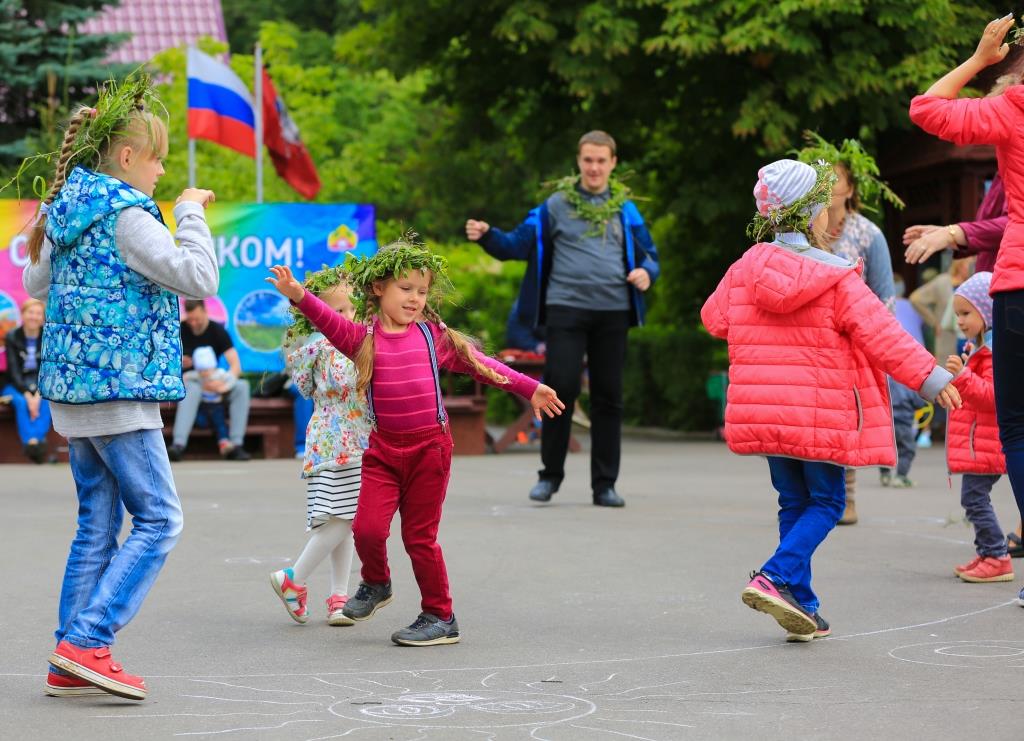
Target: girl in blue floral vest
[{"x": 110, "y": 272}]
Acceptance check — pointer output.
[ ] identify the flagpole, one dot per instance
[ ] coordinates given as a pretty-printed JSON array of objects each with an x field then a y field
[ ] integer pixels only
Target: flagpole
[
  {"x": 191, "y": 162},
  {"x": 258, "y": 78}
]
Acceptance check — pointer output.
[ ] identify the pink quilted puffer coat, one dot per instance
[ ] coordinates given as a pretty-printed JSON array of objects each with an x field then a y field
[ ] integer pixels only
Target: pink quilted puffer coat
[
  {"x": 809, "y": 347},
  {"x": 972, "y": 436}
]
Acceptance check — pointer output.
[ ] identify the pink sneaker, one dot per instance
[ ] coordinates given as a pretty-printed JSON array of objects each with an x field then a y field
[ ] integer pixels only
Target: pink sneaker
[
  {"x": 292, "y": 595},
  {"x": 96, "y": 666},
  {"x": 764, "y": 595},
  {"x": 990, "y": 569},
  {"x": 335, "y": 604},
  {"x": 64, "y": 685},
  {"x": 967, "y": 566}
]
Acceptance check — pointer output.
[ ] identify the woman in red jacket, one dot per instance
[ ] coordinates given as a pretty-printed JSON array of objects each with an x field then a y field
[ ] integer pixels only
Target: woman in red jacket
[
  {"x": 997, "y": 120},
  {"x": 809, "y": 348}
]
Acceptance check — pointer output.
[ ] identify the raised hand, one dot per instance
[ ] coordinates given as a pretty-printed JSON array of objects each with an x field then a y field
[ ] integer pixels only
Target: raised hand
[
  {"x": 955, "y": 364},
  {"x": 991, "y": 48},
  {"x": 545, "y": 400},
  {"x": 197, "y": 195},
  {"x": 286, "y": 284},
  {"x": 476, "y": 229}
]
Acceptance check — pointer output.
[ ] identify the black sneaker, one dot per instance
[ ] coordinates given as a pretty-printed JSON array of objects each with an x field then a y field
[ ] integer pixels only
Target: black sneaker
[
  {"x": 542, "y": 490},
  {"x": 237, "y": 453},
  {"x": 369, "y": 598},
  {"x": 608, "y": 498},
  {"x": 175, "y": 453},
  {"x": 428, "y": 630},
  {"x": 821, "y": 631}
]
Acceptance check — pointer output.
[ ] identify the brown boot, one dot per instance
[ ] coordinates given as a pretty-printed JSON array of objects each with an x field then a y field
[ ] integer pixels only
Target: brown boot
[{"x": 850, "y": 513}]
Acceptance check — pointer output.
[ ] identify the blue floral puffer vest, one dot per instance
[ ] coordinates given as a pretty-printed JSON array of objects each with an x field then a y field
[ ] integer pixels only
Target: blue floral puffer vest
[{"x": 110, "y": 333}]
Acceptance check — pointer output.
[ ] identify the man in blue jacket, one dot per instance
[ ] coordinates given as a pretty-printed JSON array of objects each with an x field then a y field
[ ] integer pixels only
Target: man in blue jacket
[{"x": 589, "y": 260}]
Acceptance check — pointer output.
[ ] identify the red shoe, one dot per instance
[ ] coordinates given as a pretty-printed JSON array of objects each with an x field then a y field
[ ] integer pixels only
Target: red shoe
[
  {"x": 95, "y": 666},
  {"x": 967, "y": 566},
  {"x": 61, "y": 685},
  {"x": 990, "y": 569}
]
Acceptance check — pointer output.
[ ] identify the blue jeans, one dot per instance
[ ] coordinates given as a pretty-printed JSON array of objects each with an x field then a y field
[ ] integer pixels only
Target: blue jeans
[
  {"x": 812, "y": 496},
  {"x": 104, "y": 585},
  {"x": 211, "y": 414},
  {"x": 975, "y": 498},
  {"x": 302, "y": 411},
  {"x": 1007, "y": 371},
  {"x": 29, "y": 428}
]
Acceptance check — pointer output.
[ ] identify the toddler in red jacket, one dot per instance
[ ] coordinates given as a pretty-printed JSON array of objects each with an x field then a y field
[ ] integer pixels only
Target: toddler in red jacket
[
  {"x": 972, "y": 437},
  {"x": 809, "y": 348}
]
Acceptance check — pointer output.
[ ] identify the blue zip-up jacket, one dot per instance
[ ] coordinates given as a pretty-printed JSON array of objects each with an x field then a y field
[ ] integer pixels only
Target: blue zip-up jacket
[
  {"x": 531, "y": 241},
  {"x": 110, "y": 332}
]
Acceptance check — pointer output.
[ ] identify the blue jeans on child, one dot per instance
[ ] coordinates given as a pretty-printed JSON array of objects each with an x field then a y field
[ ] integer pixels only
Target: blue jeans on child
[
  {"x": 976, "y": 499},
  {"x": 28, "y": 428},
  {"x": 812, "y": 496},
  {"x": 211, "y": 414},
  {"x": 104, "y": 585},
  {"x": 1007, "y": 371}
]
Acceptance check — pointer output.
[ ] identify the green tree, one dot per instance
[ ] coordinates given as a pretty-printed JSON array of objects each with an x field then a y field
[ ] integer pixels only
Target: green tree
[{"x": 44, "y": 64}]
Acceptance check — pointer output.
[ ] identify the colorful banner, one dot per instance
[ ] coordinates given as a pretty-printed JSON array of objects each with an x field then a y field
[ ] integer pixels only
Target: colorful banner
[{"x": 249, "y": 238}]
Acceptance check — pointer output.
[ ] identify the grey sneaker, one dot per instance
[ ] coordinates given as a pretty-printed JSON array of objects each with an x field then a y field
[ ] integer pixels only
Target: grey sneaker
[
  {"x": 428, "y": 630},
  {"x": 369, "y": 598}
]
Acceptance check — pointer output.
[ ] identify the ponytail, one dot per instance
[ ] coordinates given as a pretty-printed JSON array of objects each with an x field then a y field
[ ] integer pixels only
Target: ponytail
[{"x": 67, "y": 150}]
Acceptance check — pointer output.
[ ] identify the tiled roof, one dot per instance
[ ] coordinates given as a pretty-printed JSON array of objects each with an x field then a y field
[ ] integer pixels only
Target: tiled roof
[{"x": 156, "y": 25}]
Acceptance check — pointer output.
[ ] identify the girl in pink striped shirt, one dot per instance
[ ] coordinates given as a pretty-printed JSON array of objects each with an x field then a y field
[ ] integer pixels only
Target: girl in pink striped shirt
[{"x": 398, "y": 354}]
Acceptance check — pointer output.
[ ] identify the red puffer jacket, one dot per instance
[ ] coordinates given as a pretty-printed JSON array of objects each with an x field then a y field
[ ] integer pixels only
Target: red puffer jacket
[
  {"x": 998, "y": 120},
  {"x": 972, "y": 435},
  {"x": 809, "y": 347}
]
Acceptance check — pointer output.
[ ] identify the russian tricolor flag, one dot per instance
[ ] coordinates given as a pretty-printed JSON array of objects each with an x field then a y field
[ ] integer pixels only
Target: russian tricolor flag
[{"x": 220, "y": 107}]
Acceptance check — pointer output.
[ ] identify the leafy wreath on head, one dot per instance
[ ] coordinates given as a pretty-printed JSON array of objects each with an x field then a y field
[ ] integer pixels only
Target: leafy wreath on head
[
  {"x": 116, "y": 102},
  {"x": 795, "y": 217},
  {"x": 862, "y": 166},
  {"x": 597, "y": 214},
  {"x": 393, "y": 260},
  {"x": 316, "y": 283}
]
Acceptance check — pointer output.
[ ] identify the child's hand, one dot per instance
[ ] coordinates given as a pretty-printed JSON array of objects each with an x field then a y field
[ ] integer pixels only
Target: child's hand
[
  {"x": 949, "y": 398},
  {"x": 955, "y": 364},
  {"x": 285, "y": 282},
  {"x": 545, "y": 399},
  {"x": 991, "y": 48},
  {"x": 196, "y": 195}
]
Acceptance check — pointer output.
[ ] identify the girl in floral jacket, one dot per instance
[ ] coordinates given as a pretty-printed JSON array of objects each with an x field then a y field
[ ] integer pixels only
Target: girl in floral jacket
[
  {"x": 809, "y": 348},
  {"x": 336, "y": 436}
]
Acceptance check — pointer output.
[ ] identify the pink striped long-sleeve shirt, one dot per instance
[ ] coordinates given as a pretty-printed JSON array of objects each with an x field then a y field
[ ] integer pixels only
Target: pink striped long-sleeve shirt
[{"x": 404, "y": 397}]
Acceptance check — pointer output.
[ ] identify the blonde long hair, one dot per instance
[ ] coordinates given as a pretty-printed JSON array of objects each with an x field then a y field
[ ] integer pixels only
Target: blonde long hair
[
  {"x": 142, "y": 129},
  {"x": 464, "y": 346}
]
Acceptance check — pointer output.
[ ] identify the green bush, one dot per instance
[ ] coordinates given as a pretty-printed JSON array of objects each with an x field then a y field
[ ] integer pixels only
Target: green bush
[{"x": 666, "y": 371}]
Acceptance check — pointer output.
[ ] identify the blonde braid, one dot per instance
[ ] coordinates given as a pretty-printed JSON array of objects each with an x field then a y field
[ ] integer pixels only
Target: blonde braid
[
  {"x": 464, "y": 346},
  {"x": 67, "y": 150},
  {"x": 365, "y": 355}
]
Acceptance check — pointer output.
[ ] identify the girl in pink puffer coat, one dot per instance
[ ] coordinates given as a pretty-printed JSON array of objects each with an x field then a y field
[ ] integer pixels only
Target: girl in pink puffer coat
[
  {"x": 972, "y": 435},
  {"x": 809, "y": 348}
]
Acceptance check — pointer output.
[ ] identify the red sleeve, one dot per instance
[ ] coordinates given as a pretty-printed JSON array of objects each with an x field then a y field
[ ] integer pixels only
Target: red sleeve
[
  {"x": 983, "y": 236},
  {"x": 976, "y": 390},
  {"x": 449, "y": 359},
  {"x": 966, "y": 120},
  {"x": 715, "y": 312},
  {"x": 345, "y": 335}
]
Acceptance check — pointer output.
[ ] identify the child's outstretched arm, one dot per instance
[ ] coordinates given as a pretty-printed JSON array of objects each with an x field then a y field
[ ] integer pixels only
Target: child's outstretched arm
[{"x": 345, "y": 335}]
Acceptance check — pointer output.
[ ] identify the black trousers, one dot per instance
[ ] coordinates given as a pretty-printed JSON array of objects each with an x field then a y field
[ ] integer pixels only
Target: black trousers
[{"x": 600, "y": 336}]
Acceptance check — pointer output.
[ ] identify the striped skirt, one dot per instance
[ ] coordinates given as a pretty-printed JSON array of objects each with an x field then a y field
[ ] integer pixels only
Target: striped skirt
[{"x": 333, "y": 492}]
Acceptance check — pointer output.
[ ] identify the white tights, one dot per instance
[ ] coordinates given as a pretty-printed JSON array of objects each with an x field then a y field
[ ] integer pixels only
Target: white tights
[{"x": 333, "y": 538}]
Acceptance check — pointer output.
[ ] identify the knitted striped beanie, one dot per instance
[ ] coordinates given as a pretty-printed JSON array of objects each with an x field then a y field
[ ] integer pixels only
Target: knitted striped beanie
[
  {"x": 782, "y": 183},
  {"x": 975, "y": 290}
]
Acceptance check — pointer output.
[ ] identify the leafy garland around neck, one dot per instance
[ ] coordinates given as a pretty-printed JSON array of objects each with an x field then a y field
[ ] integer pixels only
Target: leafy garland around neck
[
  {"x": 862, "y": 167},
  {"x": 116, "y": 101},
  {"x": 597, "y": 214},
  {"x": 796, "y": 216}
]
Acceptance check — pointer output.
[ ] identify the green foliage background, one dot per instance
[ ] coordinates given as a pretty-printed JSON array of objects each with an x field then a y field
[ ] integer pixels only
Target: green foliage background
[{"x": 437, "y": 110}]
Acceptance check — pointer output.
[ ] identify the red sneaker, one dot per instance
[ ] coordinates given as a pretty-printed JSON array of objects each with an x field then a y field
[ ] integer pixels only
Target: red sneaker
[
  {"x": 61, "y": 685},
  {"x": 990, "y": 569},
  {"x": 96, "y": 666},
  {"x": 967, "y": 566}
]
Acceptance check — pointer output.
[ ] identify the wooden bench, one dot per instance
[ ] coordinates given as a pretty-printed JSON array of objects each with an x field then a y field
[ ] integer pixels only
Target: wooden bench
[
  {"x": 269, "y": 434},
  {"x": 10, "y": 444}
]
